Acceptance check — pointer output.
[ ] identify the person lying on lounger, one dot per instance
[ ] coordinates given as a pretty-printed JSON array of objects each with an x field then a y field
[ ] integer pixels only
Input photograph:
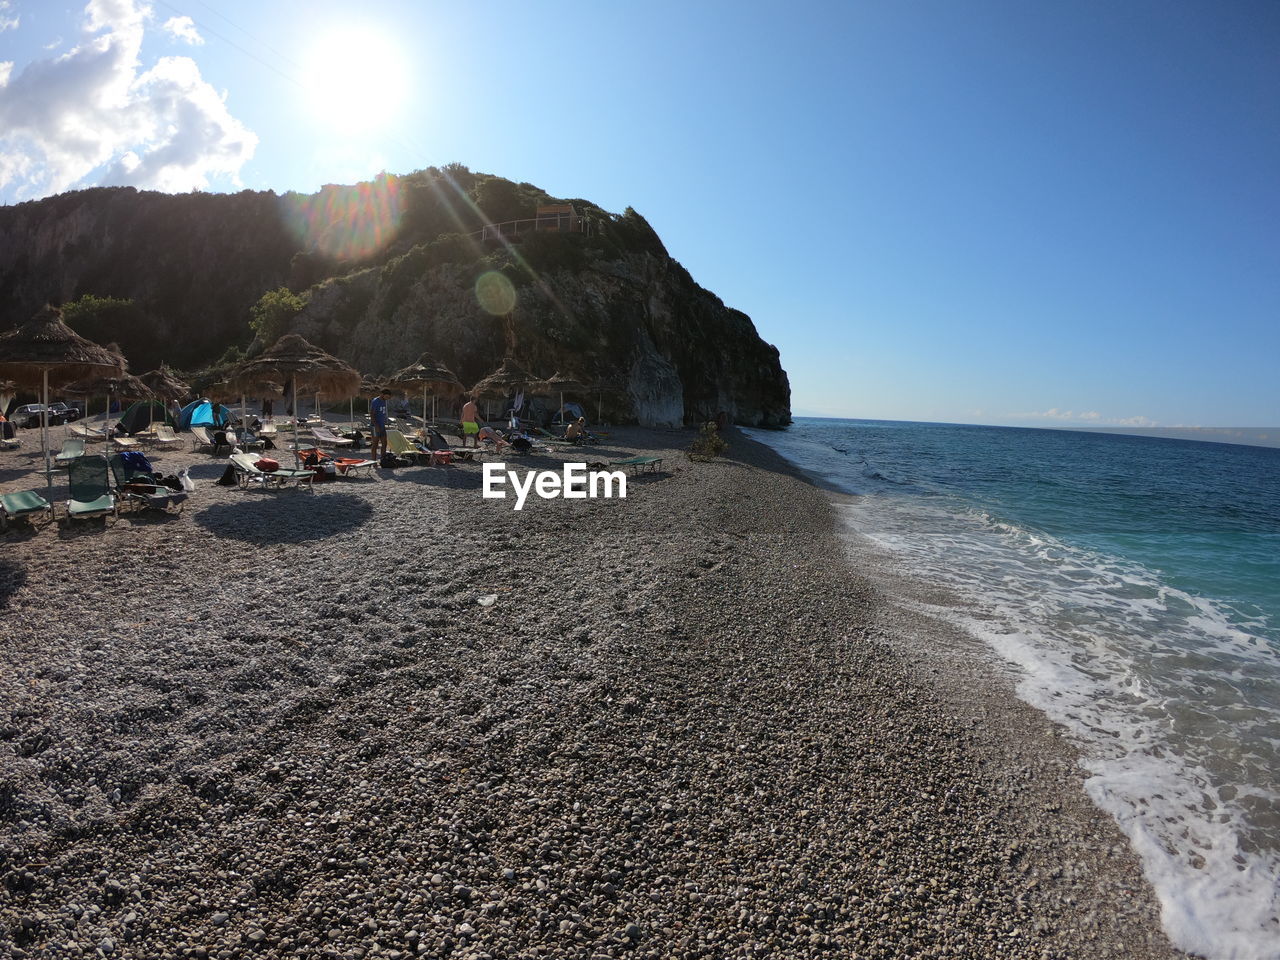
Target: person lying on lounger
[{"x": 488, "y": 433}]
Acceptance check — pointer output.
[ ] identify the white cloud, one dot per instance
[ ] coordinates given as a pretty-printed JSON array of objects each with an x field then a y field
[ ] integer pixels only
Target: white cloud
[
  {"x": 6, "y": 68},
  {"x": 183, "y": 28},
  {"x": 7, "y": 22},
  {"x": 1086, "y": 416},
  {"x": 94, "y": 108}
]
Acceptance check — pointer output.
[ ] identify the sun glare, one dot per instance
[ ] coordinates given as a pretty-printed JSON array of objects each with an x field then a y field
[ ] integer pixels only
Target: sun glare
[{"x": 356, "y": 78}]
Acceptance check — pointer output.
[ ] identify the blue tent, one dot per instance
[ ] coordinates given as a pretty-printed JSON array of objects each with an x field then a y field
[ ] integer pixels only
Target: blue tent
[{"x": 203, "y": 413}]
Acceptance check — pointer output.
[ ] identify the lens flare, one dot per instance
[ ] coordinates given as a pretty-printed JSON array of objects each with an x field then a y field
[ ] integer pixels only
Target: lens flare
[
  {"x": 346, "y": 223},
  {"x": 495, "y": 293}
]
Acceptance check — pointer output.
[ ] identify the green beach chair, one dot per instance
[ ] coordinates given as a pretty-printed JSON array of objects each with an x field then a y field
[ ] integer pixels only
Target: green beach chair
[
  {"x": 247, "y": 472},
  {"x": 27, "y": 506},
  {"x": 639, "y": 465},
  {"x": 91, "y": 492},
  {"x": 72, "y": 448},
  {"x": 141, "y": 489}
]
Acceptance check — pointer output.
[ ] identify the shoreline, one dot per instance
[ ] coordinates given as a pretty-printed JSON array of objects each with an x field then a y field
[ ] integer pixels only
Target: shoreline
[{"x": 687, "y": 727}]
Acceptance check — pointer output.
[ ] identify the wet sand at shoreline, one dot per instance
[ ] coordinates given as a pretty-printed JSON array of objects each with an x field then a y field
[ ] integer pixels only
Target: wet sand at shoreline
[{"x": 693, "y": 723}]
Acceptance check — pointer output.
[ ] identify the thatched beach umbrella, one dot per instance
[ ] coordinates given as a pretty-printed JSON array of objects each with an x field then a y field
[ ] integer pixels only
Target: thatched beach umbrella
[
  {"x": 431, "y": 375},
  {"x": 45, "y": 351},
  {"x": 165, "y": 386},
  {"x": 125, "y": 386},
  {"x": 508, "y": 378},
  {"x": 560, "y": 383},
  {"x": 293, "y": 361}
]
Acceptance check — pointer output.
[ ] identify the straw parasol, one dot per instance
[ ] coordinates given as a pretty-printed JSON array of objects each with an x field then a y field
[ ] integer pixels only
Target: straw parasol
[
  {"x": 45, "y": 350},
  {"x": 165, "y": 385},
  {"x": 508, "y": 378},
  {"x": 124, "y": 386},
  {"x": 560, "y": 383},
  {"x": 430, "y": 374},
  {"x": 293, "y": 361}
]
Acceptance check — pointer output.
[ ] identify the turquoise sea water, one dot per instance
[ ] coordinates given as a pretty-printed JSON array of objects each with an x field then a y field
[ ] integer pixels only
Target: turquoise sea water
[{"x": 1134, "y": 583}]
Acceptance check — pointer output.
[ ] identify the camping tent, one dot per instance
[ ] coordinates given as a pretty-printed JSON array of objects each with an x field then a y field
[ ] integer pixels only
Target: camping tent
[
  {"x": 203, "y": 413},
  {"x": 143, "y": 414}
]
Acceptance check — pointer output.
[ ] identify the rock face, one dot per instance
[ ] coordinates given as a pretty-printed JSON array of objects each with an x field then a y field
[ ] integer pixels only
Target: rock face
[{"x": 607, "y": 305}]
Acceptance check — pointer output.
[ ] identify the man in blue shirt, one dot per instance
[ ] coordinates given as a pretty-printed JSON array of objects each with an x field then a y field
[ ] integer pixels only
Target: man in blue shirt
[{"x": 378, "y": 418}]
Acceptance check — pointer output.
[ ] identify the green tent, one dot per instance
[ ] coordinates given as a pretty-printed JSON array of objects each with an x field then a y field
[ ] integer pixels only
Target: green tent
[{"x": 142, "y": 415}]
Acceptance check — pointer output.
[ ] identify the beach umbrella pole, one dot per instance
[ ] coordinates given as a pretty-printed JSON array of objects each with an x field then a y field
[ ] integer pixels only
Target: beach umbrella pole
[
  {"x": 44, "y": 433},
  {"x": 296, "y": 461}
]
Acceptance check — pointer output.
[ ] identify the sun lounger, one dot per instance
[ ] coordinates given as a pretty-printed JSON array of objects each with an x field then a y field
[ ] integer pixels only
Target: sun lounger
[
  {"x": 639, "y": 465},
  {"x": 327, "y": 438},
  {"x": 28, "y": 506},
  {"x": 91, "y": 493},
  {"x": 204, "y": 439},
  {"x": 402, "y": 446},
  {"x": 140, "y": 489},
  {"x": 72, "y": 448},
  {"x": 8, "y": 436},
  {"x": 165, "y": 437},
  {"x": 87, "y": 433},
  {"x": 247, "y": 472},
  {"x": 351, "y": 467},
  {"x": 125, "y": 443},
  {"x": 345, "y": 466}
]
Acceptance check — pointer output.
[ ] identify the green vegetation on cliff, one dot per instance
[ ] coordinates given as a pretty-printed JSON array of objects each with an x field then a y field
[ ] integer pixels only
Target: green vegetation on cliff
[{"x": 379, "y": 272}]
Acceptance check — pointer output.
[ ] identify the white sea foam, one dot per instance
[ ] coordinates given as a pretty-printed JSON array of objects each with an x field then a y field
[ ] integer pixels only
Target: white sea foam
[
  {"x": 1141, "y": 675},
  {"x": 1173, "y": 699}
]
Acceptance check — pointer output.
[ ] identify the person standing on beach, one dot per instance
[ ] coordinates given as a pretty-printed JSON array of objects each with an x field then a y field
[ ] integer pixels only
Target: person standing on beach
[
  {"x": 470, "y": 418},
  {"x": 378, "y": 420}
]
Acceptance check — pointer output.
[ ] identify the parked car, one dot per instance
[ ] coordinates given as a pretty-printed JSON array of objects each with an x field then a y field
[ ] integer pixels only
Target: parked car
[
  {"x": 29, "y": 416},
  {"x": 66, "y": 411}
]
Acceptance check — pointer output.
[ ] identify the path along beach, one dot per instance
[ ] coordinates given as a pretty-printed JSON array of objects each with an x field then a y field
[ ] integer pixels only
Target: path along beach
[{"x": 692, "y": 724}]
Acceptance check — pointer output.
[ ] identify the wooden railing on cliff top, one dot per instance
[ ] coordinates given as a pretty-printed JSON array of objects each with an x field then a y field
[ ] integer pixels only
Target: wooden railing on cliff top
[{"x": 512, "y": 229}]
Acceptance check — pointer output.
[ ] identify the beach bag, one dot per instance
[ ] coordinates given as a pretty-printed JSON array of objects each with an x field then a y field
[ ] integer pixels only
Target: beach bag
[
  {"x": 228, "y": 478},
  {"x": 184, "y": 477},
  {"x": 267, "y": 465},
  {"x": 521, "y": 445}
]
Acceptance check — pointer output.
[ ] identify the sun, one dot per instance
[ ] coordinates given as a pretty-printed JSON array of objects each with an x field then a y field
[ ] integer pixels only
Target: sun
[{"x": 356, "y": 78}]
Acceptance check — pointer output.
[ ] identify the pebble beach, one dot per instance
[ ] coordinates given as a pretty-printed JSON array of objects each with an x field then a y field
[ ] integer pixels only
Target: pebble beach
[{"x": 389, "y": 718}]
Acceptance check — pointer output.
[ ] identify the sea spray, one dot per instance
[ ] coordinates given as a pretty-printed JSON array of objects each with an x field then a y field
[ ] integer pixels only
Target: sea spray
[{"x": 1135, "y": 585}]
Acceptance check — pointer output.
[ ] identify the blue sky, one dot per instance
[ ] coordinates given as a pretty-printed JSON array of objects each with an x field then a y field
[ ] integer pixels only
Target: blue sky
[{"x": 1058, "y": 214}]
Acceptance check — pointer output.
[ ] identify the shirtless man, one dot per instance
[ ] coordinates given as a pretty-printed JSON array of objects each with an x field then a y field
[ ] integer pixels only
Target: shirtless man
[{"x": 470, "y": 421}]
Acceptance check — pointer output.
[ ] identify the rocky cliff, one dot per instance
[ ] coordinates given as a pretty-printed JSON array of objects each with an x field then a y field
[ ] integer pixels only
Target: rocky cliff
[{"x": 387, "y": 270}]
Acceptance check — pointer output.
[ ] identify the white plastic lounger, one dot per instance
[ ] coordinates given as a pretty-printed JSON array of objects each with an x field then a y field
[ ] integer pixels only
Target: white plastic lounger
[{"x": 327, "y": 438}]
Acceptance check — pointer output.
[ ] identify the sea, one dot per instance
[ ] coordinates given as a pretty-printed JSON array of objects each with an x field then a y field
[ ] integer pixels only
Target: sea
[{"x": 1132, "y": 585}]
